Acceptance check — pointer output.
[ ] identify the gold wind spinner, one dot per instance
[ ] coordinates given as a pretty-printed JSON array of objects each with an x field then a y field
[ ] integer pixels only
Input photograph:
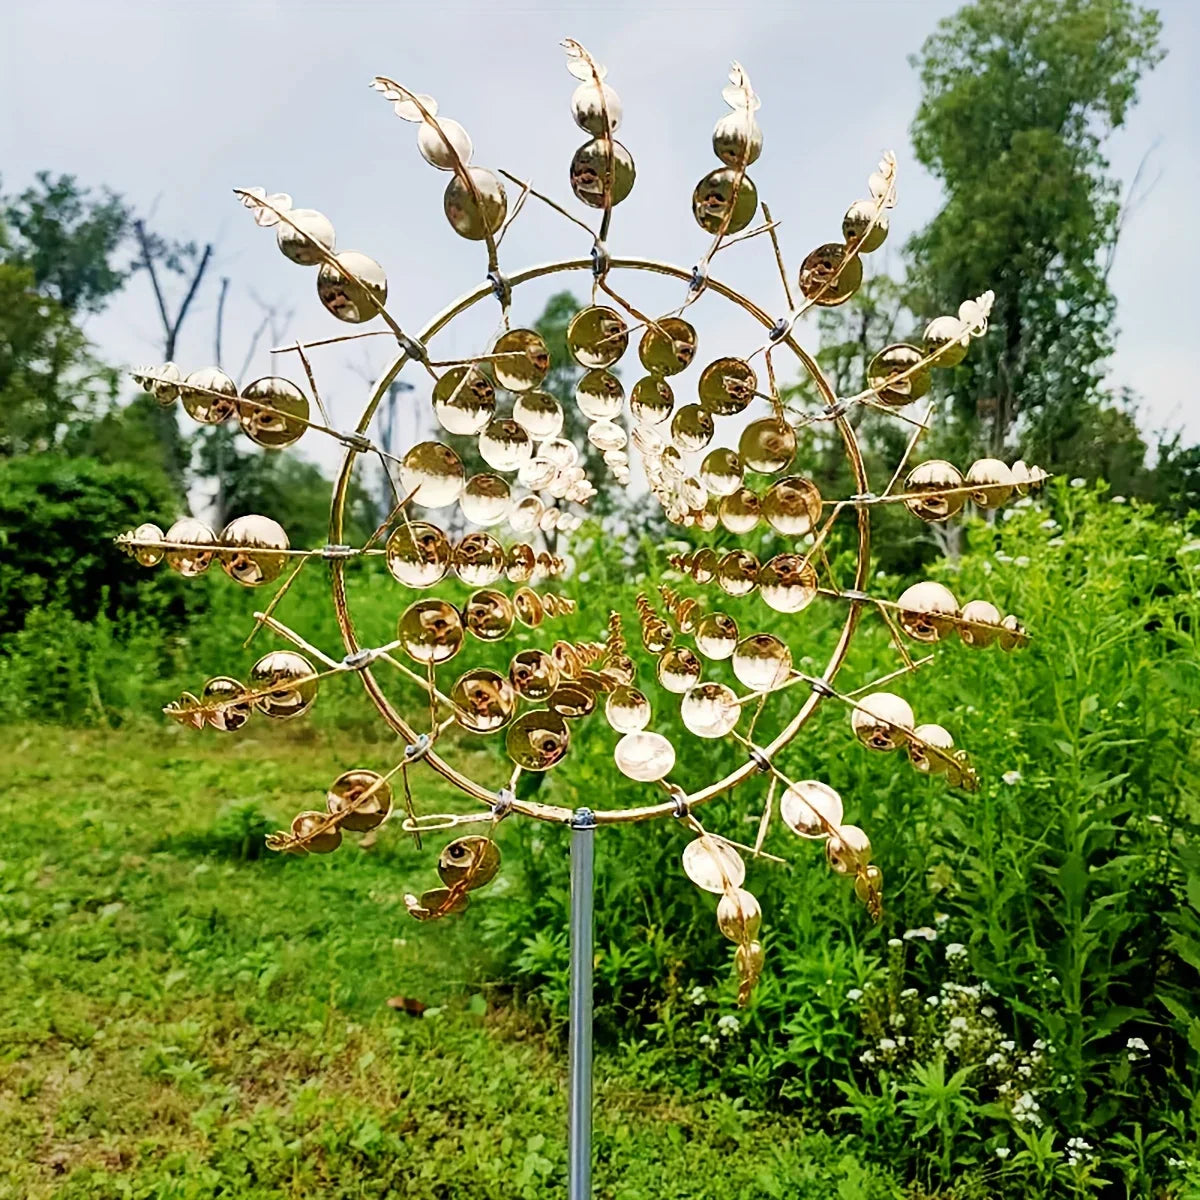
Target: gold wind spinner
[{"x": 520, "y": 483}]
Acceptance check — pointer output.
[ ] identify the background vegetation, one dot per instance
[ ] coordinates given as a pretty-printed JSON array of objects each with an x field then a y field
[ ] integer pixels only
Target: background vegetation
[{"x": 191, "y": 1017}]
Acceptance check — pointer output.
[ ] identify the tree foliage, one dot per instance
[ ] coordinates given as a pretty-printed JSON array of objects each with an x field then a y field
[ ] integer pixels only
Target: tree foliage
[
  {"x": 49, "y": 379},
  {"x": 1017, "y": 99},
  {"x": 70, "y": 239},
  {"x": 58, "y": 517}
]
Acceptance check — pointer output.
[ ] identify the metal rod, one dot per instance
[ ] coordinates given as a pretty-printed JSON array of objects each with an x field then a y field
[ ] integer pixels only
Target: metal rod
[{"x": 579, "y": 1049}]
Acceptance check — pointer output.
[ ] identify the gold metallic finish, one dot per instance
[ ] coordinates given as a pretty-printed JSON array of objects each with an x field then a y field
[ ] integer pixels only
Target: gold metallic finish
[
  {"x": 597, "y": 337},
  {"x": 792, "y": 506},
  {"x": 727, "y": 386},
  {"x": 479, "y": 559},
  {"x": 787, "y": 583},
  {"x": 668, "y": 346},
  {"x": 896, "y": 375},
  {"x": 724, "y": 201},
  {"x": 418, "y": 554},
  {"x": 488, "y": 615},
  {"x": 484, "y": 701},
  {"x": 927, "y": 611},
  {"x": 190, "y": 561},
  {"x": 537, "y": 483},
  {"x": 284, "y": 684},
  {"x": 761, "y": 662},
  {"x": 209, "y": 396},
  {"x": 431, "y": 631},
  {"x": 602, "y": 173},
  {"x": 829, "y": 277},
  {"x": 537, "y": 740},
  {"x": 713, "y": 865},
  {"x": 644, "y": 756},
  {"x": 246, "y": 545},
  {"x": 361, "y": 798},
  {"x": 934, "y": 491},
  {"x": 475, "y": 204},
  {"x": 464, "y": 400},
  {"x": 882, "y": 721},
  {"x": 991, "y": 482},
  {"x": 273, "y": 412},
  {"x": 767, "y": 445},
  {"x": 354, "y": 289},
  {"x": 737, "y": 573},
  {"x": 716, "y": 636}
]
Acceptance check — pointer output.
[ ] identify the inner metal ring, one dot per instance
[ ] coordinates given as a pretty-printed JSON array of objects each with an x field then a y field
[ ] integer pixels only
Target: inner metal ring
[{"x": 554, "y": 812}]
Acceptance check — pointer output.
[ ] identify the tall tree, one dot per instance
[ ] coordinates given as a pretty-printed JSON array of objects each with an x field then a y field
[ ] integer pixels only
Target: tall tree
[
  {"x": 1017, "y": 99},
  {"x": 70, "y": 240},
  {"x": 49, "y": 379}
]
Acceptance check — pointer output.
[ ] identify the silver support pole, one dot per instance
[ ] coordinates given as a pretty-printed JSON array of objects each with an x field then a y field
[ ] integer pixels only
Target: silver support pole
[{"x": 579, "y": 1052}]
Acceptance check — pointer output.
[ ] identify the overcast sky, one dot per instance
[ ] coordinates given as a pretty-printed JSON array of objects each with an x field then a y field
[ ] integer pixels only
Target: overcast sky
[{"x": 172, "y": 104}]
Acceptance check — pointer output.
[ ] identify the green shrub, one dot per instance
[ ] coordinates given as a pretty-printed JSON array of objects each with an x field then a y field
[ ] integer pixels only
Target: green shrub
[
  {"x": 1070, "y": 880},
  {"x": 58, "y": 518}
]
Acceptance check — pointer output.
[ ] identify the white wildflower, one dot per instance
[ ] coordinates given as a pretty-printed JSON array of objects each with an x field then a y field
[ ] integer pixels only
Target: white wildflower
[
  {"x": 1002, "y": 1152},
  {"x": 1001, "y": 557},
  {"x": 894, "y": 942},
  {"x": 958, "y": 1023},
  {"x": 867, "y": 1056},
  {"x": 940, "y": 919},
  {"x": 886, "y": 1044},
  {"x": 697, "y": 995},
  {"x": 988, "y": 1011},
  {"x": 1078, "y": 481},
  {"x": 952, "y": 1041},
  {"x": 1039, "y": 1044},
  {"x": 727, "y": 1025},
  {"x": 956, "y": 950},
  {"x": 933, "y": 1001},
  {"x": 854, "y": 994},
  {"x": 1049, "y": 523},
  {"x": 1009, "y": 1045},
  {"x": 1011, "y": 777},
  {"x": 897, "y": 1020},
  {"x": 707, "y": 1040},
  {"x": 908, "y": 993},
  {"x": 925, "y": 931},
  {"x": 995, "y": 1059},
  {"x": 1026, "y": 1108},
  {"x": 1022, "y": 560},
  {"x": 1118, "y": 500}
]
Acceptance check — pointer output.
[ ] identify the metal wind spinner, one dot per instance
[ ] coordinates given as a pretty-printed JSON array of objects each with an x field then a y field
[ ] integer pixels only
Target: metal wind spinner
[{"x": 523, "y": 479}]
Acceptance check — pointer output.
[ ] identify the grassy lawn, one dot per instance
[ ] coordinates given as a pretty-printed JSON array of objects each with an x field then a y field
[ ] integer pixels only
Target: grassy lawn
[{"x": 186, "y": 1016}]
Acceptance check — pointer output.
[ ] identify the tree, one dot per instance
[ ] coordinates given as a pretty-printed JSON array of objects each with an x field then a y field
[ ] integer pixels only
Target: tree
[
  {"x": 69, "y": 240},
  {"x": 1017, "y": 99},
  {"x": 49, "y": 380}
]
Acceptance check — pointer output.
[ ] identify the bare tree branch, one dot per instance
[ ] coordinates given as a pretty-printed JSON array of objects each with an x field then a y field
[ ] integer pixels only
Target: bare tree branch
[{"x": 220, "y": 317}]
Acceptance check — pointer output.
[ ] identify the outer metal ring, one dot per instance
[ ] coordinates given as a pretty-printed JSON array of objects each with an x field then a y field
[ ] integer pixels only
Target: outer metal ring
[{"x": 554, "y": 812}]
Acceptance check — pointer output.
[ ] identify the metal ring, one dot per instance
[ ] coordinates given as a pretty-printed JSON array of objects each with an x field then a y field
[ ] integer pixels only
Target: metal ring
[{"x": 550, "y": 812}]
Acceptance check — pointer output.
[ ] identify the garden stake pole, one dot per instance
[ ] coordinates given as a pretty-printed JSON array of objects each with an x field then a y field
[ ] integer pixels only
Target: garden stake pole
[{"x": 579, "y": 1047}]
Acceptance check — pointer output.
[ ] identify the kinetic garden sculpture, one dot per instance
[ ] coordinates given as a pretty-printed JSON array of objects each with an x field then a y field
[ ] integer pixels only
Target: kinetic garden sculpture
[{"x": 718, "y": 456}]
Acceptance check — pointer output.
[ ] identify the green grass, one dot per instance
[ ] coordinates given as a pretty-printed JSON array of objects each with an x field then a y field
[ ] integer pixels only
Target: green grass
[{"x": 187, "y": 1017}]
